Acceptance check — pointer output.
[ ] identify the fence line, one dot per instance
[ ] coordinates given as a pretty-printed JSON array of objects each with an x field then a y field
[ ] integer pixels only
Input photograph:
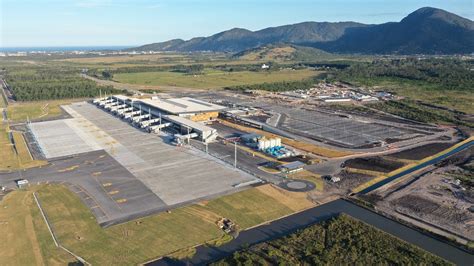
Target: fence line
[{"x": 56, "y": 242}]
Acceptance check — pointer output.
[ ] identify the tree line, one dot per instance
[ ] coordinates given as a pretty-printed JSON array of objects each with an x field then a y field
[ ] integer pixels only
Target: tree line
[
  {"x": 446, "y": 74},
  {"x": 416, "y": 111},
  {"x": 340, "y": 241},
  {"x": 45, "y": 85},
  {"x": 279, "y": 86}
]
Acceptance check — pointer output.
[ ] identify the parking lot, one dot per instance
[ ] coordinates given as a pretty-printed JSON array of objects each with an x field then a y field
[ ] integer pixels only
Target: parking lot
[{"x": 340, "y": 130}]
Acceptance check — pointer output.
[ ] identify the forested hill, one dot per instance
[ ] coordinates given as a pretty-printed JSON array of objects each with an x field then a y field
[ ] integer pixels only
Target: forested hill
[
  {"x": 425, "y": 31},
  {"x": 236, "y": 40}
]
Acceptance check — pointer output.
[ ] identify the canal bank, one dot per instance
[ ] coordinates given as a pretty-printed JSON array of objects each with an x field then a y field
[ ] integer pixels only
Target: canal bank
[
  {"x": 288, "y": 225},
  {"x": 437, "y": 158}
]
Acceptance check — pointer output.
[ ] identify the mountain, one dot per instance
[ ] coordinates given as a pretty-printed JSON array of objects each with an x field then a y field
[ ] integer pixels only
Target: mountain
[
  {"x": 282, "y": 52},
  {"x": 162, "y": 46},
  {"x": 236, "y": 40},
  {"x": 425, "y": 31}
]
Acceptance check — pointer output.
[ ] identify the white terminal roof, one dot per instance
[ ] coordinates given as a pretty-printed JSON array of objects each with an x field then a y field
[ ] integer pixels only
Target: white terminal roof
[
  {"x": 121, "y": 97},
  {"x": 186, "y": 122},
  {"x": 182, "y": 105}
]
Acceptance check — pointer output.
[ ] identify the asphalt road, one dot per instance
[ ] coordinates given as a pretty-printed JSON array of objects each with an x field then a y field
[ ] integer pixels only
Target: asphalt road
[
  {"x": 110, "y": 191},
  {"x": 288, "y": 225},
  {"x": 245, "y": 160}
]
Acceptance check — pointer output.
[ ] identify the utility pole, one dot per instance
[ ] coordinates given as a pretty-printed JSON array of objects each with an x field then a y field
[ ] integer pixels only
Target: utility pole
[
  {"x": 159, "y": 128},
  {"x": 189, "y": 138},
  {"x": 207, "y": 150},
  {"x": 149, "y": 116},
  {"x": 235, "y": 154}
]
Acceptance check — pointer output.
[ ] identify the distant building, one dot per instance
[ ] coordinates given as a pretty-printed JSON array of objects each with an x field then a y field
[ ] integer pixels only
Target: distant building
[
  {"x": 294, "y": 95},
  {"x": 336, "y": 100},
  {"x": 292, "y": 167}
]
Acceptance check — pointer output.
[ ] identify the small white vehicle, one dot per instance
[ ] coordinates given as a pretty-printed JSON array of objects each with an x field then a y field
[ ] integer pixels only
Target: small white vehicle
[{"x": 21, "y": 183}]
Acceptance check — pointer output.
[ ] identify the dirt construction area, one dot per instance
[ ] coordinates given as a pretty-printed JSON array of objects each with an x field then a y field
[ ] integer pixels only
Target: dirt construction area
[
  {"x": 421, "y": 152},
  {"x": 441, "y": 197},
  {"x": 379, "y": 164}
]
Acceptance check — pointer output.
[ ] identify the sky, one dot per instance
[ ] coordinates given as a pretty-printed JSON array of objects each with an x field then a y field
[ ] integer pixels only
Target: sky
[{"x": 46, "y": 23}]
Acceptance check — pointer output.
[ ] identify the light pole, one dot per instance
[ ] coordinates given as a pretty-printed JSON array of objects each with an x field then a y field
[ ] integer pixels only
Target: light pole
[{"x": 235, "y": 154}]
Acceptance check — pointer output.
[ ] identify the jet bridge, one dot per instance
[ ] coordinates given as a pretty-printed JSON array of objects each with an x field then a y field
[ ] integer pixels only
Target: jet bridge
[
  {"x": 149, "y": 122},
  {"x": 124, "y": 110},
  {"x": 109, "y": 106},
  {"x": 105, "y": 102},
  {"x": 118, "y": 107},
  {"x": 130, "y": 114},
  {"x": 156, "y": 128},
  {"x": 137, "y": 119}
]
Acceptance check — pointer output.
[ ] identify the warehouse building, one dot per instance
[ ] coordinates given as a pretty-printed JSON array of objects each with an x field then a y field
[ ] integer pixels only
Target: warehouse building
[{"x": 292, "y": 167}]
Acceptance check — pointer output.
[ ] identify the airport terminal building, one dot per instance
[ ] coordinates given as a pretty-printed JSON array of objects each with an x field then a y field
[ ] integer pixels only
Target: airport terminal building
[
  {"x": 187, "y": 114},
  {"x": 193, "y": 109}
]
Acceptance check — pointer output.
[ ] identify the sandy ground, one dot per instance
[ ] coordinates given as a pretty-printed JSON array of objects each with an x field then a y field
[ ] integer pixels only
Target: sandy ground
[{"x": 435, "y": 199}]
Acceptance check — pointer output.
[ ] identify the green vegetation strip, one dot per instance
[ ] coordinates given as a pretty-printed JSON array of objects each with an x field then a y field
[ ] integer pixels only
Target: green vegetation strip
[
  {"x": 340, "y": 241},
  {"x": 444, "y": 82},
  {"x": 33, "y": 83},
  {"x": 419, "y": 112}
]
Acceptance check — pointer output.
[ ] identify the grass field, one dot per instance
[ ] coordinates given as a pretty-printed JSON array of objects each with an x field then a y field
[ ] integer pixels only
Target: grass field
[
  {"x": 25, "y": 237},
  {"x": 2, "y": 100},
  {"x": 24, "y": 157},
  {"x": 20, "y": 111},
  {"x": 212, "y": 79},
  {"x": 248, "y": 208},
  {"x": 162, "y": 234},
  {"x": 126, "y": 58},
  {"x": 9, "y": 159}
]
